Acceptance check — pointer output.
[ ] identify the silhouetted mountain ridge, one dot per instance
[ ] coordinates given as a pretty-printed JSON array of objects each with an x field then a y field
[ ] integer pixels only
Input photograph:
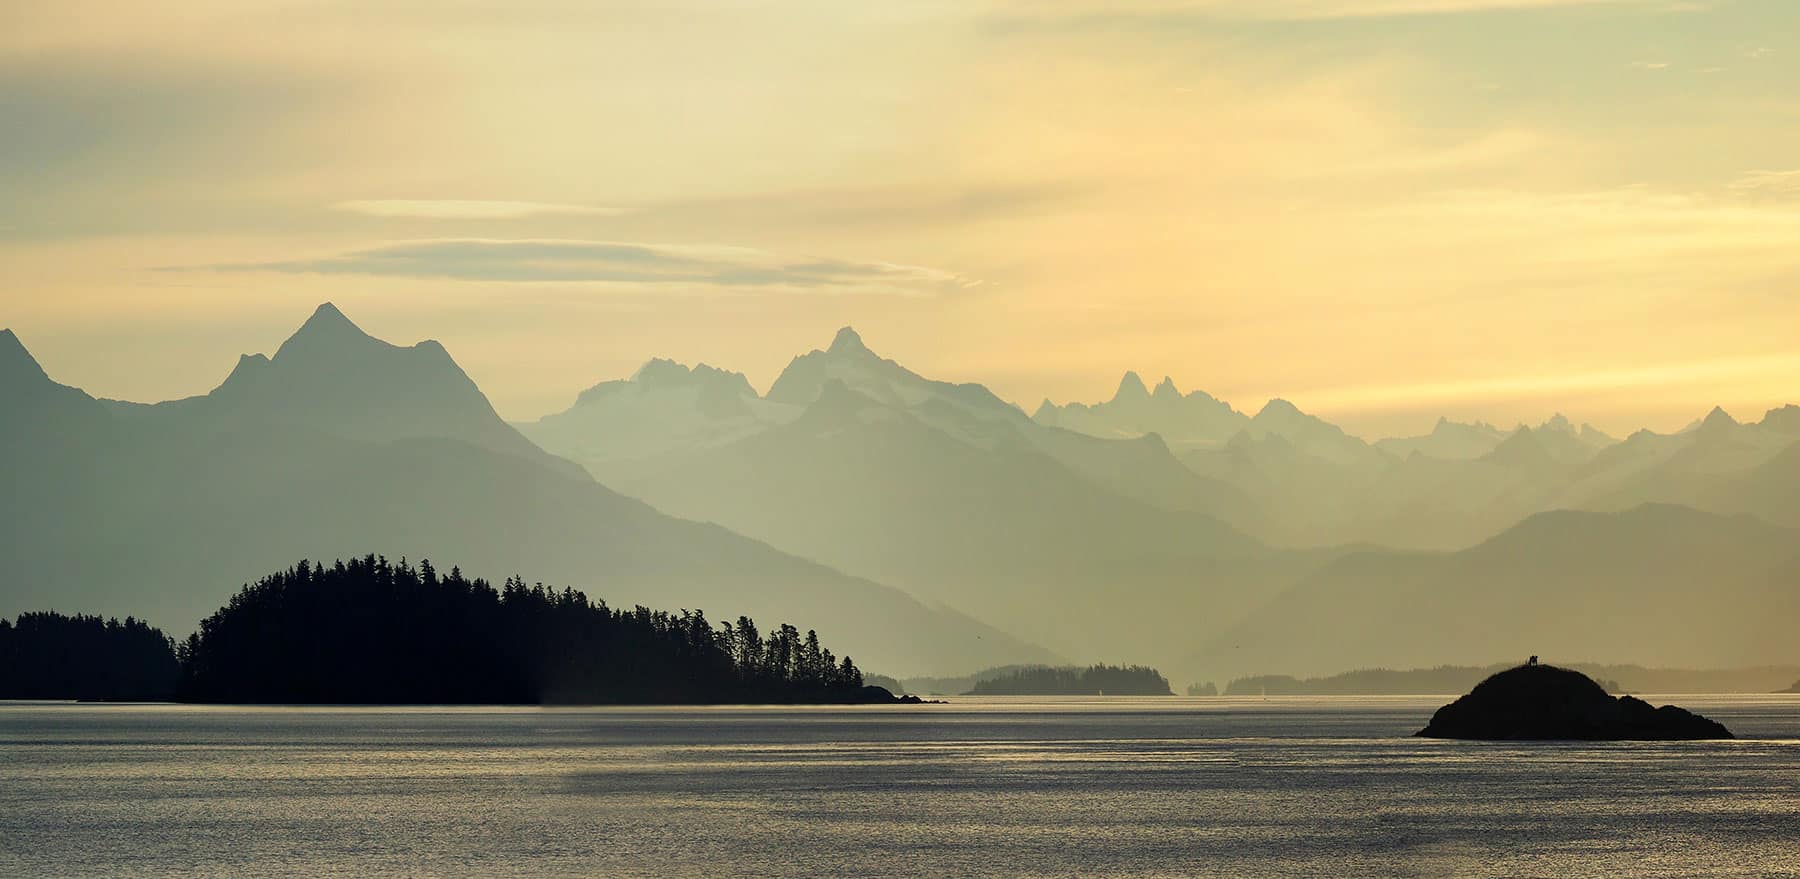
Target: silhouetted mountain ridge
[{"x": 308, "y": 454}]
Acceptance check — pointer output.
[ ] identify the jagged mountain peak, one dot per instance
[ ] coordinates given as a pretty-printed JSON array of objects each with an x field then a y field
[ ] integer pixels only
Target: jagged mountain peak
[
  {"x": 1278, "y": 408},
  {"x": 1783, "y": 420},
  {"x": 1718, "y": 419},
  {"x": 657, "y": 370},
  {"x": 328, "y": 318},
  {"x": 1166, "y": 390},
  {"x": 328, "y": 333},
  {"x": 660, "y": 373},
  {"x": 1521, "y": 449},
  {"x": 847, "y": 341},
  {"x": 1131, "y": 387},
  {"x": 16, "y": 362}
]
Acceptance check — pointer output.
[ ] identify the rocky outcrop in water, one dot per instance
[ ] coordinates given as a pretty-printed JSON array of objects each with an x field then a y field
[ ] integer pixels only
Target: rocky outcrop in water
[{"x": 1543, "y": 702}]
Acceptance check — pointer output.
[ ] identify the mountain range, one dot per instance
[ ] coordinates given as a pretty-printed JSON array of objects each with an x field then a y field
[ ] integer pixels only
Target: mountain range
[
  {"x": 341, "y": 445},
  {"x": 932, "y": 527},
  {"x": 1159, "y": 521}
]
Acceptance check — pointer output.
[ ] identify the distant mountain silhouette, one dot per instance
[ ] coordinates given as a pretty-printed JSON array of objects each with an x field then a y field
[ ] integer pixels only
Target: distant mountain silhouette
[
  {"x": 340, "y": 444},
  {"x": 953, "y": 494},
  {"x": 1447, "y": 441},
  {"x": 331, "y": 377},
  {"x": 615, "y": 427},
  {"x": 37, "y": 408},
  {"x": 1182, "y": 420},
  {"x": 1154, "y": 524},
  {"x": 1659, "y": 585},
  {"x": 1076, "y": 525}
]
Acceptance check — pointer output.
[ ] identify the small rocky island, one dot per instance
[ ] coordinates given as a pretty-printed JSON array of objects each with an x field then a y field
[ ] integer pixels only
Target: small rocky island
[{"x": 1543, "y": 702}]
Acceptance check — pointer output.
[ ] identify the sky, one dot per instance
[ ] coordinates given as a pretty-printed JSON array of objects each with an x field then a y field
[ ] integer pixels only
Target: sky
[{"x": 1381, "y": 210}]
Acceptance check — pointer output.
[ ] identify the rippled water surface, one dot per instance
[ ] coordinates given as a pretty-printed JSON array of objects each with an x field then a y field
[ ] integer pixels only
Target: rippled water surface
[{"x": 981, "y": 787}]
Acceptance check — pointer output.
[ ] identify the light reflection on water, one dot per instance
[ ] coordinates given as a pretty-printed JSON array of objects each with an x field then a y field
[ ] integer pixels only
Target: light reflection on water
[{"x": 995, "y": 787}]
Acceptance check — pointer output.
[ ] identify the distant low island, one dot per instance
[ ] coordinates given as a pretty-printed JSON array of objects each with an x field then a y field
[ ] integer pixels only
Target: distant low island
[
  {"x": 1443, "y": 679},
  {"x": 1542, "y": 702},
  {"x": 1095, "y": 680},
  {"x": 370, "y": 631}
]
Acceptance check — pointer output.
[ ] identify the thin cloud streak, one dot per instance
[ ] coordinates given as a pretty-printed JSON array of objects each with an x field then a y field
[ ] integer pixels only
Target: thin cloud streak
[
  {"x": 466, "y": 209},
  {"x": 1769, "y": 182},
  {"x": 551, "y": 260}
]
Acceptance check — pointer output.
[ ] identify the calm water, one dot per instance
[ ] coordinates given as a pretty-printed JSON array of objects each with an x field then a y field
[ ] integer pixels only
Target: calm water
[{"x": 989, "y": 787}]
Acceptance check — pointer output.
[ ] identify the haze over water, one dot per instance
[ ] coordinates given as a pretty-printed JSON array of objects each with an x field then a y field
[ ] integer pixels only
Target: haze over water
[{"x": 989, "y": 787}]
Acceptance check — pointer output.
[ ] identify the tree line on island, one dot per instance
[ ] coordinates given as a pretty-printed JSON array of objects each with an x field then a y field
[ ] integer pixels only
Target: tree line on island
[
  {"x": 370, "y": 631},
  {"x": 1096, "y": 680}
]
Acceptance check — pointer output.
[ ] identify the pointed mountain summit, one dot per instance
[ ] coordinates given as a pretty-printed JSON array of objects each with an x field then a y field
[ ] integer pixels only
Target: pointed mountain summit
[
  {"x": 328, "y": 333},
  {"x": 329, "y": 320},
  {"x": 1189, "y": 420},
  {"x": 850, "y": 361},
  {"x": 331, "y": 377},
  {"x": 1718, "y": 420},
  {"x": 32, "y": 402},
  {"x": 847, "y": 341},
  {"x": 1315, "y": 436},
  {"x": 16, "y": 364},
  {"x": 1280, "y": 409},
  {"x": 1131, "y": 388},
  {"x": 1524, "y": 450}
]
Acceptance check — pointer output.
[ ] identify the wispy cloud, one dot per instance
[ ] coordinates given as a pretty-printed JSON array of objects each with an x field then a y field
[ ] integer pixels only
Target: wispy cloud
[
  {"x": 619, "y": 263},
  {"x": 465, "y": 209},
  {"x": 1769, "y": 183},
  {"x": 1650, "y": 65}
]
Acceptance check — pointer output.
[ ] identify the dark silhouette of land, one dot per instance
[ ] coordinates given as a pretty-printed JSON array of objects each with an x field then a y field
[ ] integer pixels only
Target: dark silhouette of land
[
  {"x": 1460, "y": 678},
  {"x": 1096, "y": 680},
  {"x": 370, "y": 631},
  {"x": 341, "y": 443},
  {"x": 47, "y": 655},
  {"x": 1163, "y": 525},
  {"x": 1543, "y": 702}
]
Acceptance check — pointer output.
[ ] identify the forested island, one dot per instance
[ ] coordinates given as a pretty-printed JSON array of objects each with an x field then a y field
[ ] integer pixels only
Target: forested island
[
  {"x": 370, "y": 631},
  {"x": 1096, "y": 680},
  {"x": 47, "y": 655}
]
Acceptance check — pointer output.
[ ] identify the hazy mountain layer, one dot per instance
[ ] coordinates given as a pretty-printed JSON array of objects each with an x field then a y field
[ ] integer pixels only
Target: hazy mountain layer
[
  {"x": 162, "y": 511},
  {"x": 615, "y": 426},
  {"x": 1083, "y": 544},
  {"x": 1655, "y": 585},
  {"x": 1306, "y": 483},
  {"x": 1182, "y": 420}
]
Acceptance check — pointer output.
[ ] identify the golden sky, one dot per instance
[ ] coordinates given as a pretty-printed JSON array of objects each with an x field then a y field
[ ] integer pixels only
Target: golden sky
[{"x": 1383, "y": 210}]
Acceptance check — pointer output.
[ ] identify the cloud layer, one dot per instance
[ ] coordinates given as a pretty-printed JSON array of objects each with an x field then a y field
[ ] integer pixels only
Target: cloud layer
[
  {"x": 465, "y": 209},
  {"x": 620, "y": 262}
]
